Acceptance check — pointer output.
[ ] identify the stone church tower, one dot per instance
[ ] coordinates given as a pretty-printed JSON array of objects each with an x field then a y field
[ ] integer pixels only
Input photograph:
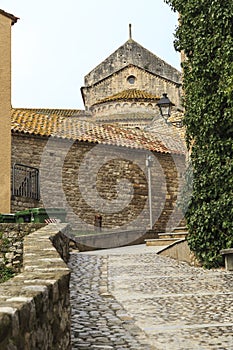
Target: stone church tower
[
  {"x": 6, "y": 21},
  {"x": 126, "y": 86}
]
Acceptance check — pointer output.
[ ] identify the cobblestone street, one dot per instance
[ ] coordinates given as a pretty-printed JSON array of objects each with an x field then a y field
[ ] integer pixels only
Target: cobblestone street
[{"x": 131, "y": 298}]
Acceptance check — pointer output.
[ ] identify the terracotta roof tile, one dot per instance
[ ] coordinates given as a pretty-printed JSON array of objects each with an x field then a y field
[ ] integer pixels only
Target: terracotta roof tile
[
  {"x": 130, "y": 94},
  {"x": 50, "y": 111},
  {"x": 24, "y": 121}
]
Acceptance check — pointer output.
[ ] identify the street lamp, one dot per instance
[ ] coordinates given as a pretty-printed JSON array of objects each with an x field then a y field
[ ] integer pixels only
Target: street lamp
[{"x": 165, "y": 106}]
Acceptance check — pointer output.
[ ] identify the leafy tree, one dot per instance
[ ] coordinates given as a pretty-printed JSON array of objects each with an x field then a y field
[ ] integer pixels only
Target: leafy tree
[{"x": 205, "y": 36}]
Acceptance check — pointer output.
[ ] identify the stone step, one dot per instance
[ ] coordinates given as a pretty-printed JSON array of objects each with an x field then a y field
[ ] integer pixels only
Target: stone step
[
  {"x": 180, "y": 229},
  {"x": 177, "y": 235},
  {"x": 160, "y": 241}
]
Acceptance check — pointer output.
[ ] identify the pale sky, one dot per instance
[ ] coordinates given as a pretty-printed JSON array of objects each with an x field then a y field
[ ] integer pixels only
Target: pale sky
[{"x": 55, "y": 43}]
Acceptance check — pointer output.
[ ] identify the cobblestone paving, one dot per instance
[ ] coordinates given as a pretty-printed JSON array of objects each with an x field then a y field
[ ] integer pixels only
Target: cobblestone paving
[
  {"x": 99, "y": 321},
  {"x": 131, "y": 298}
]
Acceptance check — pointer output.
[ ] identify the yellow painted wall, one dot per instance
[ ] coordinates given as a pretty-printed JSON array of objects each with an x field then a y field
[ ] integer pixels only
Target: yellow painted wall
[{"x": 5, "y": 113}]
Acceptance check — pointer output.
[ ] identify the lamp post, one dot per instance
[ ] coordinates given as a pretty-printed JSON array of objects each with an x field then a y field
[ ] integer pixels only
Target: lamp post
[
  {"x": 149, "y": 165},
  {"x": 165, "y": 106}
]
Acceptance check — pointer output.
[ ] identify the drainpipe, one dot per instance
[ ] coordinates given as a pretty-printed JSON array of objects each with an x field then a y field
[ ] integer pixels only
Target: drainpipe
[{"x": 149, "y": 165}]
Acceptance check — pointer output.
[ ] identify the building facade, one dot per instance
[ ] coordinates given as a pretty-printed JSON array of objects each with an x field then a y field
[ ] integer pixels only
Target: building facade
[
  {"x": 97, "y": 160},
  {"x": 6, "y": 21},
  {"x": 98, "y": 170}
]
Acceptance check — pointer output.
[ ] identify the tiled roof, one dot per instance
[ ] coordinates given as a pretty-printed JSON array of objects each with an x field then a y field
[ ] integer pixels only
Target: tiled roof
[
  {"x": 50, "y": 111},
  {"x": 9, "y": 15},
  {"x": 170, "y": 135},
  {"x": 75, "y": 129},
  {"x": 130, "y": 94}
]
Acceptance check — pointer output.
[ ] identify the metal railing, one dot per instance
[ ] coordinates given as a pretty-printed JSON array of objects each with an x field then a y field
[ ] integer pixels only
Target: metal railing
[{"x": 25, "y": 181}]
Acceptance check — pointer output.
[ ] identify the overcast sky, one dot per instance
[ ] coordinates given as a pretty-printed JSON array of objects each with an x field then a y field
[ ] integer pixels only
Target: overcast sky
[{"x": 56, "y": 43}]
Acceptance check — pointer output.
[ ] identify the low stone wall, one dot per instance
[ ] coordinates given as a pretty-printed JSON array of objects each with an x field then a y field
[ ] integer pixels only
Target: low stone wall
[
  {"x": 35, "y": 304},
  {"x": 109, "y": 240},
  {"x": 180, "y": 251}
]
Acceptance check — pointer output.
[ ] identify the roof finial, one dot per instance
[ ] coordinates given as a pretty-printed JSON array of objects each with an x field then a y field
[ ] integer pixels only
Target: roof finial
[{"x": 130, "y": 31}]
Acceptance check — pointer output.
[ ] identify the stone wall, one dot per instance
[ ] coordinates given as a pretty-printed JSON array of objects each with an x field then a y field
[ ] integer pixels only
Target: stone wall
[
  {"x": 35, "y": 304},
  {"x": 180, "y": 251},
  {"x": 129, "y": 114},
  {"x": 26, "y": 150},
  {"x": 135, "y": 54},
  {"x": 144, "y": 80},
  {"x": 133, "y": 113},
  {"x": 87, "y": 179},
  {"x": 11, "y": 243}
]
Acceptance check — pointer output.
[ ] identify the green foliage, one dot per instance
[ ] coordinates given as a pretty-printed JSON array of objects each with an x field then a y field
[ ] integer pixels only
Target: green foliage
[
  {"x": 4, "y": 242},
  {"x": 205, "y": 35},
  {"x": 5, "y": 273}
]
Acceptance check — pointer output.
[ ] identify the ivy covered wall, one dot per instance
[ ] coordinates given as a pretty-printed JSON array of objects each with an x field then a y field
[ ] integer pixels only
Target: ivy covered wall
[{"x": 205, "y": 36}]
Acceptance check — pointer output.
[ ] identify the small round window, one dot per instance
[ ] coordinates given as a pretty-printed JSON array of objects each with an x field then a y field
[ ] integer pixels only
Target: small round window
[{"x": 131, "y": 79}]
